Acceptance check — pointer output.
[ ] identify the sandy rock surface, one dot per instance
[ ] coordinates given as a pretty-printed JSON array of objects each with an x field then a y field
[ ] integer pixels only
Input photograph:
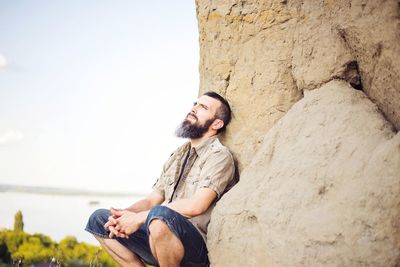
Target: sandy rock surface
[
  {"x": 263, "y": 54},
  {"x": 315, "y": 90},
  {"x": 322, "y": 190}
]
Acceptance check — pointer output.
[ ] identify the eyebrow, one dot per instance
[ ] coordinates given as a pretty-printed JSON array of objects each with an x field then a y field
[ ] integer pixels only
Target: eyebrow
[{"x": 202, "y": 105}]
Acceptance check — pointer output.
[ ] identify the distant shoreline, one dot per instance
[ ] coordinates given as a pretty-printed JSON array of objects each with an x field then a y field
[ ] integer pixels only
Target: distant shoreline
[{"x": 62, "y": 191}]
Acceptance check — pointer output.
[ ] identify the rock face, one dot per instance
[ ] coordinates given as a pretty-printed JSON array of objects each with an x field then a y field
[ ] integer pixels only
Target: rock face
[
  {"x": 263, "y": 54},
  {"x": 319, "y": 160},
  {"x": 322, "y": 190}
]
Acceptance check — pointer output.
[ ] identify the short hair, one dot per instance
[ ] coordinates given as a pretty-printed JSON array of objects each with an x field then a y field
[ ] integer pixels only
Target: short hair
[{"x": 224, "y": 112}]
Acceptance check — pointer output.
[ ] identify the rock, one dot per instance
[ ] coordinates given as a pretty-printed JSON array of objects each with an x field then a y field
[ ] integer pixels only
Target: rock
[
  {"x": 246, "y": 54},
  {"x": 263, "y": 54},
  {"x": 331, "y": 35},
  {"x": 319, "y": 183},
  {"x": 323, "y": 189}
]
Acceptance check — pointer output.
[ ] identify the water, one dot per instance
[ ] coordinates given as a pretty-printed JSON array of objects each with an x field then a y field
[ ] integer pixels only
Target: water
[{"x": 56, "y": 215}]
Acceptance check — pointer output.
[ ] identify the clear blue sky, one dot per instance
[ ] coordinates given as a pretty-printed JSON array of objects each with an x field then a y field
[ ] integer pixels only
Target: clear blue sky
[{"x": 92, "y": 91}]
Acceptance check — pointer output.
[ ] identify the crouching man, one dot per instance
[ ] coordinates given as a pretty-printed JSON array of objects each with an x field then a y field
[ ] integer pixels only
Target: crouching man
[{"x": 168, "y": 227}]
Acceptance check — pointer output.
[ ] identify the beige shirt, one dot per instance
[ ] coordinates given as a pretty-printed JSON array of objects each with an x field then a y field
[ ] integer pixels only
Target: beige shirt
[{"x": 208, "y": 165}]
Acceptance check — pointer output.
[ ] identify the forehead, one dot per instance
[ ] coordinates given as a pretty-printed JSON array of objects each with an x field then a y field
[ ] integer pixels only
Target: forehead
[{"x": 210, "y": 102}]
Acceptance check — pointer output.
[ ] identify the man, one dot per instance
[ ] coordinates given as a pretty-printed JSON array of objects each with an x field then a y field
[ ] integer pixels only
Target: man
[{"x": 193, "y": 179}]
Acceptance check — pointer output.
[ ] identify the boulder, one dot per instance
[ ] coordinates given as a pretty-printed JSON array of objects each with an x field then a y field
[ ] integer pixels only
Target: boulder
[{"x": 322, "y": 190}]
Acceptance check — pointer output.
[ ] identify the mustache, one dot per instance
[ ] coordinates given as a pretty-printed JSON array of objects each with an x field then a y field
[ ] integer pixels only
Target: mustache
[{"x": 191, "y": 114}]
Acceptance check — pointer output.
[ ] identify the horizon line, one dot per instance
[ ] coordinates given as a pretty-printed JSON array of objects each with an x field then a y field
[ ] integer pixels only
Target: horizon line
[{"x": 51, "y": 190}]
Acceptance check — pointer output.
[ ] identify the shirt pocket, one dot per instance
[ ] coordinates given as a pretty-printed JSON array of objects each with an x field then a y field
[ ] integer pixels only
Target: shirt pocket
[
  {"x": 193, "y": 179},
  {"x": 169, "y": 185},
  {"x": 191, "y": 185}
]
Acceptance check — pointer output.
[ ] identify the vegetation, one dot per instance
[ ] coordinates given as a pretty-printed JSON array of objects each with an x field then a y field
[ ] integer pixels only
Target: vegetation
[
  {"x": 18, "y": 246},
  {"x": 18, "y": 221}
]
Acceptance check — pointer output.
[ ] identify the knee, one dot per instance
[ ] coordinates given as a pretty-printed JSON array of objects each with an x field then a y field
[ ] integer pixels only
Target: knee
[
  {"x": 157, "y": 221},
  {"x": 100, "y": 216},
  {"x": 160, "y": 212},
  {"x": 97, "y": 220},
  {"x": 158, "y": 229}
]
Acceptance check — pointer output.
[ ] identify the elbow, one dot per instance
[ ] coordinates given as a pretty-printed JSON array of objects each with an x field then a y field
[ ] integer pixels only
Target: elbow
[{"x": 197, "y": 210}]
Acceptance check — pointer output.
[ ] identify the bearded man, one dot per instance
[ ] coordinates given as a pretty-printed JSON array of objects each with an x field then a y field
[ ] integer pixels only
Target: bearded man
[{"x": 169, "y": 226}]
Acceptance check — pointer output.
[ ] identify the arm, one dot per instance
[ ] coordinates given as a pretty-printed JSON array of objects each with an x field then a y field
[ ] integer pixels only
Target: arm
[
  {"x": 128, "y": 222},
  {"x": 130, "y": 219},
  {"x": 147, "y": 203},
  {"x": 196, "y": 205},
  {"x": 216, "y": 173}
]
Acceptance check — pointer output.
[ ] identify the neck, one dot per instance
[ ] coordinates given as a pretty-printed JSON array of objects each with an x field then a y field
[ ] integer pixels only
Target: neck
[{"x": 198, "y": 141}]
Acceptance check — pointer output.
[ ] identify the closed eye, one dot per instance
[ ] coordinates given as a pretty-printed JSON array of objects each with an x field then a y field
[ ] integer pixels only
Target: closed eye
[
  {"x": 204, "y": 106},
  {"x": 201, "y": 105}
]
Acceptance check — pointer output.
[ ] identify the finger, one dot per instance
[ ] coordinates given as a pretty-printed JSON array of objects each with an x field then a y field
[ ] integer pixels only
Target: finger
[
  {"x": 112, "y": 219},
  {"x": 111, "y": 222},
  {"x": 113, "y": 232},
  {"x": 116, "y": 212},
  {"x": 121, "y": 235}
]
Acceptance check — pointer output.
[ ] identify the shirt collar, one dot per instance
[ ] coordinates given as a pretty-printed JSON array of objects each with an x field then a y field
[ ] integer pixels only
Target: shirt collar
[{"x": 202, "y": 146}]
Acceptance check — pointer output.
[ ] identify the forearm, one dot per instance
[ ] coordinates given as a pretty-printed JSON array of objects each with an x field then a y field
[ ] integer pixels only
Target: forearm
[
  {"x": 196, "y": 205},
  {"x": 185, "y": 207},
  {"x": 141, "y": 217},
  {"x": 141, "y": 205},
  {"x": 147, "y": 203}
]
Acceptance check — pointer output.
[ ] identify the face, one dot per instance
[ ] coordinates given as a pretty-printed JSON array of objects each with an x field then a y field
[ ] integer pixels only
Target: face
[{"x": 200, "y": 119}]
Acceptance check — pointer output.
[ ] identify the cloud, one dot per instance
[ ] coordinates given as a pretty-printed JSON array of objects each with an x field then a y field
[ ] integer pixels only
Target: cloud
[
  {"x": 9, "y": 136},
  {"x": 3, "y": 61}
]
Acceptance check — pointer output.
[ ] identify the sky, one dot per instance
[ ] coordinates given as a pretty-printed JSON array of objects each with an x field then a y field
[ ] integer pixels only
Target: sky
[{"x": 91, "y": 92}]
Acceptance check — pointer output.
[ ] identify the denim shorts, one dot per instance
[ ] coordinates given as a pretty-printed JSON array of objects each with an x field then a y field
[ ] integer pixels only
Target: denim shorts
[{"x": 138, "y": 242}]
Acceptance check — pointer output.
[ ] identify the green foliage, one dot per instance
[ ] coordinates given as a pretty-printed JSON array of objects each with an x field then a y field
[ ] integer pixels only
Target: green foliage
[
  {"x": 5, "y": 255},
  {"x": 14, "y": 239},
  {"x": 39, "y": 248},
  {"x": 33, "y": 251},
  {"x": 18, "y": 221}
]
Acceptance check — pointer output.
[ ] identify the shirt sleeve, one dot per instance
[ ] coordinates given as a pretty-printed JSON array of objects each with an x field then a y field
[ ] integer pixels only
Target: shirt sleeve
[
  {"x": 218, "y": 171},
  {"x": 159, "y": 185}
]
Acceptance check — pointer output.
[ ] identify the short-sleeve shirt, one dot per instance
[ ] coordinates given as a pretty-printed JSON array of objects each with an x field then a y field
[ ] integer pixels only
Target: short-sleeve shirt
[{"x": 209, "y": 165}]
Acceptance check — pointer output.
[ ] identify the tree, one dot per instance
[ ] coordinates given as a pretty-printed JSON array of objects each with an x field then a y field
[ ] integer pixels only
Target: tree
[
  {"x": 18, "y": 221},
  {"x": 5, "y": 255},
  {"x": 33, "y": 251},
  {"x": 39, "y": 248}
]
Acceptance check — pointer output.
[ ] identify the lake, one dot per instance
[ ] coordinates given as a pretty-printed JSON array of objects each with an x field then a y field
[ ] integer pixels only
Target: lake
[{"x": 56, "y": 215}]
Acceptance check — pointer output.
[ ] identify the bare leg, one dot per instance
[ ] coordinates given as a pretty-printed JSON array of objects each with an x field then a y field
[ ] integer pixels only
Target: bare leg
[
  {"x": 165, "y": 246},
  {"x": 119, "y": 253}
]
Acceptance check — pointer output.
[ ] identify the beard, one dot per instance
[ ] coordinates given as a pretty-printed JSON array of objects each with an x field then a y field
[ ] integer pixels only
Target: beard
[{"x": 191, "y": 130}]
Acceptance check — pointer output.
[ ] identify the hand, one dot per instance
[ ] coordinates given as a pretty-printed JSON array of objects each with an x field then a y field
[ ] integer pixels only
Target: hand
[
  {"x": 129, "y": 222},
  {"x": 116, "y": 213},
  {"x": 112, "y": 226},
  {"x": 112, "y": 220}
]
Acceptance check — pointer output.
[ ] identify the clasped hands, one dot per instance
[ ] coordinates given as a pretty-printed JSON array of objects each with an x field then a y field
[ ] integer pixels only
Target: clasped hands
[{"x": 122, "y": 223}]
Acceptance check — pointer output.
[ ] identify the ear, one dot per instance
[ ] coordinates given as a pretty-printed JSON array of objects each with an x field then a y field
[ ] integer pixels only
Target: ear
[{"x": 217, "y": 124}]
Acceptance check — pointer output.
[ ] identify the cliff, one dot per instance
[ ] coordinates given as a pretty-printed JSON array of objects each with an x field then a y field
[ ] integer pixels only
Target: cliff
[{"x": 314, "y": 87}]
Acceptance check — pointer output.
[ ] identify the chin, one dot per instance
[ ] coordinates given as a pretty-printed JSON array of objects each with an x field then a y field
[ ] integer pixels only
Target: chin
[{"x": 191, "y": 121}]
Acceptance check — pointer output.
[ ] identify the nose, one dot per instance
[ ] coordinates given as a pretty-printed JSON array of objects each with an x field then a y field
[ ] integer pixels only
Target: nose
[{"x": 194, "y": 108}]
